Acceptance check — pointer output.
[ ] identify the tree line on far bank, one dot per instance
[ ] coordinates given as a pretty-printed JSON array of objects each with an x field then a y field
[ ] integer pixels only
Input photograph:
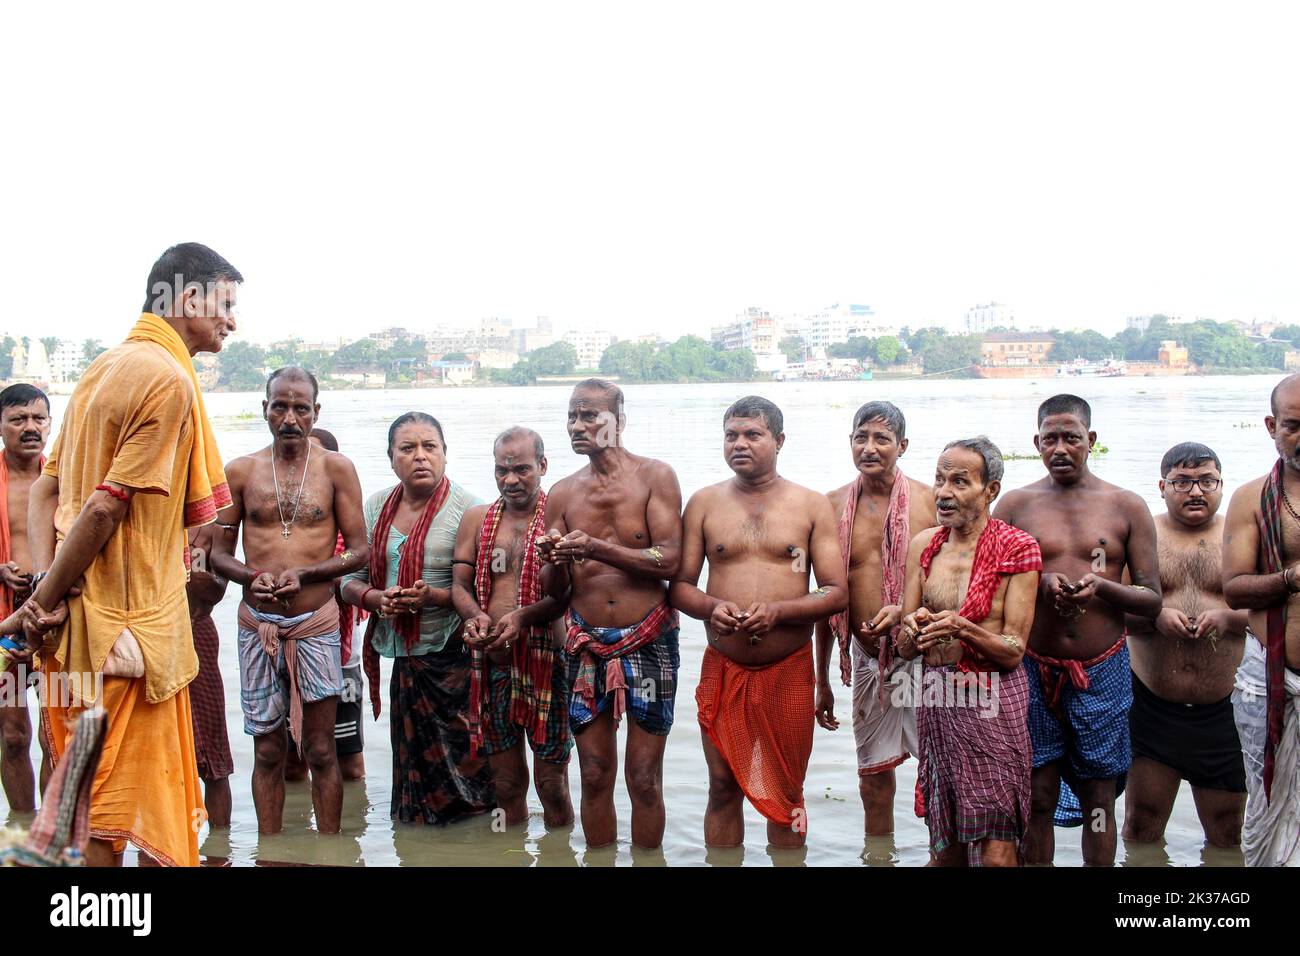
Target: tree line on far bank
[
  {"x": 1209, "y": 344},
  {"x": 241, "y": 366}
]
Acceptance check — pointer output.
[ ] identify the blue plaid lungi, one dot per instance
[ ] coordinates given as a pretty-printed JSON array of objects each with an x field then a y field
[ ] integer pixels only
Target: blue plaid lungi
[{"x": 1088, "y": 728}]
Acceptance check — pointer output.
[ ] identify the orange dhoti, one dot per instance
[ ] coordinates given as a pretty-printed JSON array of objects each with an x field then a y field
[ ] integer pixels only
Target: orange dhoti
[
  {"x": 761, "y": 720},
  {"x": 146, "y": 789}
]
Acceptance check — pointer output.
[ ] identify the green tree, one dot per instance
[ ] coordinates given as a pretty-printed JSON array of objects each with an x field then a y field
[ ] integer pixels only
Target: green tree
[
  {"x": 522, "y": 372},
  {"x": 628, "y": 360},
  {"x": 737, "y": 366},
  {"x": 90, "y": 350},
  {"x": 240, "y": 367},
  {"x": 281, "y": 354},
  {"x": 686, "y": 360},
  {"x": 941, "y": 352},
  {"x": 859, "y": 347},
  {"x": 888, "y": 350},
  {"x": 558, "y": 358},
  {"x": 355, "y": 354},
  {"x": 455, "y": 357},
  {"x": 792, "y": 347},
  {"x": 51, "y": 342},
  {"x": 1090, "y": 345},
  {"x": 7, "y": 356},
  {"x": 1288, "y": 333}
]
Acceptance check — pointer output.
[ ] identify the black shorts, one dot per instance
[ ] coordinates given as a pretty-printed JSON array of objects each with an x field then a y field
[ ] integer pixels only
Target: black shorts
[
  {"x": 348, "y": 738},
  {"x": 1198, "y": 740}
]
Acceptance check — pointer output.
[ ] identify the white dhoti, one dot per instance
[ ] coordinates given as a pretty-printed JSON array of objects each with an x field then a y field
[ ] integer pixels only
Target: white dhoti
[
  {"x": 1270, "y": 835},
  {"x": 885, "y": 733}
]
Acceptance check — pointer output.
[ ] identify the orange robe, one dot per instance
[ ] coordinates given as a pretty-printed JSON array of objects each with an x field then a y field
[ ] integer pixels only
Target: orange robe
[{"x": 137, "y": 419}]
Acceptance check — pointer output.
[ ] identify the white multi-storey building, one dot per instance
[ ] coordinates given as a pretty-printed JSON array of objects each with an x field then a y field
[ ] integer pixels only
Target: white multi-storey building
[
  {"x": 756, "y": 330},
  {"x": 986, "y": 318},
  {"x": 65, "y": 361},
  {"x": 590, "y": 345},
  {"x": 835, "y": 324}
]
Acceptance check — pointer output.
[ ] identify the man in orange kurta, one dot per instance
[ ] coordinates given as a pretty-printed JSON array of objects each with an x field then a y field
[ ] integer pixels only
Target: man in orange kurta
[{"x": 134, "y": 464}]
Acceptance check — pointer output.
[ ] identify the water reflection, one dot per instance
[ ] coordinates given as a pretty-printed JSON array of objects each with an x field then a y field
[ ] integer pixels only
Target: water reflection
[{"x": 880, "y": 851}]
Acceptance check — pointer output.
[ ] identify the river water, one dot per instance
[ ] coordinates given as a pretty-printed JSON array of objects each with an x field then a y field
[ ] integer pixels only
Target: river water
[{"x": 1136, "y": 419}]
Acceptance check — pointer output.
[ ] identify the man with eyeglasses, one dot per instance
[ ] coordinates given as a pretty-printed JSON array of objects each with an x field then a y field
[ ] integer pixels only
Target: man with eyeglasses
[{"x": 1184, "y": 663}]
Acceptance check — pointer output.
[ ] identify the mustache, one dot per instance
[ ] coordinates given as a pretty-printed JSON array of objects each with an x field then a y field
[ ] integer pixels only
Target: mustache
[
  {"x": 27, "y": 435},
  {"x": 286, "y": 432}
]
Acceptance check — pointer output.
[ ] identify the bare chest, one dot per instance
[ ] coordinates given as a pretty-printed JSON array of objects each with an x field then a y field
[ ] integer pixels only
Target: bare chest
[
  {"x": 507, "y": 555},
  {"x": 1078, "y": 533},
  {"x": 1290, "y": 537},
  {"x": 306, "y": 504},
  {"x": 1191, "y": 564},
  {"x": 773, "y": 535},
  {"x": 945, "y": 586},
  {"x": 868, "y": 535},
  {"x": 607, "y": 510},
  {"x": 17, "y": 504}
]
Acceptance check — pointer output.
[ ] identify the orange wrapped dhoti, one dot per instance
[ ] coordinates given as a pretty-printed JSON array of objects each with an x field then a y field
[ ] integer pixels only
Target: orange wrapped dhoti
[
  {"x": 146, "y": 789},
  {"x": 761, "y": 721}
]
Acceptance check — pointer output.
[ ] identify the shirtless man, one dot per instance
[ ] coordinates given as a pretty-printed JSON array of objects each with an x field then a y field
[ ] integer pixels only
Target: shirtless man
[
  {"x": 882, "y": 510},
  {"x": 969, "y": 606},
  {"x": 25, "y": 426},
  {"x": 1261, "y": 549},
  {"x": 760, "y": 534},
  {"x": 204, "y": 591},
  {"x": 1078, "y": 668},
  {"x": 513, "y": 633},
  {"x": 614, "y": 538},
  {"x": 349, "y": 733},
  {"x": 1184, "y": 664},
  {"x": 293, "y": 499}
]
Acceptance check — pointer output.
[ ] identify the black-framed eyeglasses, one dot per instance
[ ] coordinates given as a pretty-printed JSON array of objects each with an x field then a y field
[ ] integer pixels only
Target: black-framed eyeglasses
[{"x": 1184, "y": 485}]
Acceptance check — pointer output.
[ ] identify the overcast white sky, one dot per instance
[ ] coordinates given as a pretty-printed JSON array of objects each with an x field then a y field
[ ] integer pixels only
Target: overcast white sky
[{"x": 655, "y": 166}]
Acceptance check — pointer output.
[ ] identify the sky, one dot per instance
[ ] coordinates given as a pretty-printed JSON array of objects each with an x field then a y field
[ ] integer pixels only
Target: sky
[{"x": 652, "y": 167}]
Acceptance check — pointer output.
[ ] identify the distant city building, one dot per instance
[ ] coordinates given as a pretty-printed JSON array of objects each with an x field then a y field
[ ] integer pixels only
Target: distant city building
[
  {"x": 65, "y": 361},
  {"x": 755, "y": 330},
  {"x": 1139, "y": 322},
  {"x": 452, "y": 373},
  {"x": 367, "y": 378},
  {"x": 985, "y": 318},
  {"x": 494, "y": 328},
  {"x": 1171, "y": 355},
  {"x": 390, "y": 337},
  {"x": 835, "y": 324},
  {"x": 1015, "y": 348},
  {"x": 494, "y": 358},
  {"x": 30, "y": 365},
  {"x": 590, "y": 346},
  {"x": 538, "y": 336}
]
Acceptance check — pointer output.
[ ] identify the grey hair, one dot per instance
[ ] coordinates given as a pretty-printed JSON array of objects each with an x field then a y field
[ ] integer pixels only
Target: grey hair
[
  {"x": 886, "y": 412},
  {"x": 990, "y": 454},
  {"x": 519, "y": 431}
]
